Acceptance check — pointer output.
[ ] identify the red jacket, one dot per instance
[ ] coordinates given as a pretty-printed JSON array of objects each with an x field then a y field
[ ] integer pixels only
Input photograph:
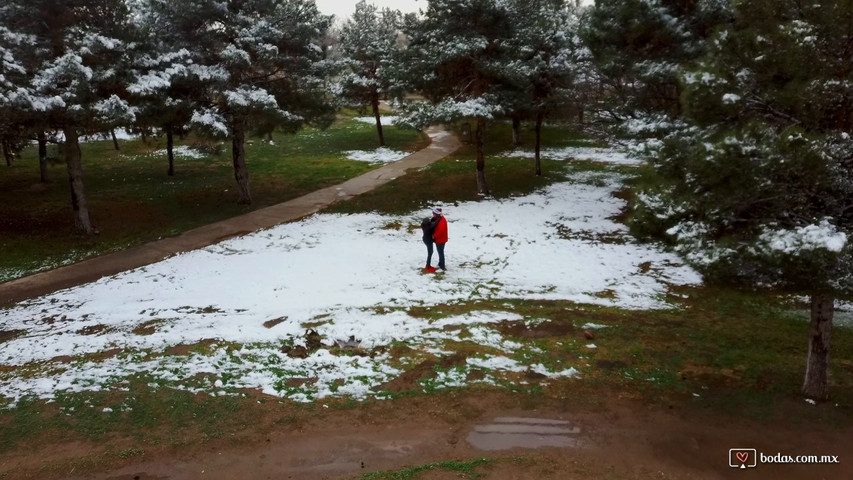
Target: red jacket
[{"x": 440, "y": 232}]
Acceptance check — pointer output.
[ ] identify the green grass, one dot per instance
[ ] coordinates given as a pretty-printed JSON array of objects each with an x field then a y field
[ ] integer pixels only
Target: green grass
[
  {"x": 138, "y": 413},
  {"x": 453, "y": 179},
  {"x": 132, "y": 200},
  {"x": 466, "y": 469}
]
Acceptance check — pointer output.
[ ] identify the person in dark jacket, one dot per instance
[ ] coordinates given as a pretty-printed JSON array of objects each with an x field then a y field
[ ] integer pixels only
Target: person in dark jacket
[
  {"x": 428, "y": 226},
  {"x": 439, "y": 235}
]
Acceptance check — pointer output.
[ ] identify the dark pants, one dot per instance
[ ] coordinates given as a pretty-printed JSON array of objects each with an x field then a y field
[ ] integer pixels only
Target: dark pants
[
  {"x": 428, "y": 244},
  {"x": 440, "y": 248}
]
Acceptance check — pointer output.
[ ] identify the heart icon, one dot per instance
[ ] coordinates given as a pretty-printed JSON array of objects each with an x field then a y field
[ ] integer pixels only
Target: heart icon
[{"x": 742, "y": 456}]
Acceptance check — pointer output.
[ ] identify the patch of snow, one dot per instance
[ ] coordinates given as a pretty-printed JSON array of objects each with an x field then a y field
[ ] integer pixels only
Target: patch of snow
[
  {"x": 181, "y": 151},
  {"x": 389, "y": 120},
  {"x": 380, "y": 155},
  {"x": 603, "y": 155},
  {"x": 823, "y": 236},
  {"x": 349, "y": 275}
]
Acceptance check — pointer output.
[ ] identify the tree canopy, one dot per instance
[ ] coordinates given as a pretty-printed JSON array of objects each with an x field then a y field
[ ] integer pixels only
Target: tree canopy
[{"x": 753, "y": 183}]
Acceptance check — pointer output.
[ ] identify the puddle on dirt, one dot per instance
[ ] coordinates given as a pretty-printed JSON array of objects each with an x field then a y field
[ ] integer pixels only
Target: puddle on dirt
[{"x": 505, "y": 433}]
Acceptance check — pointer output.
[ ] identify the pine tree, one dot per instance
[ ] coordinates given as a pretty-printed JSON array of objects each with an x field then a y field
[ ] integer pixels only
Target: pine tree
[
  {"x": 638, "y": 47},
  {"x": 755, "y": 185},
  {"x": 455, "y": 59},
  {"x": 167, "y": 78},
  {"x": 77, "y": 75},
  {"x": 368, "y": 43},
  {"x": 260, "y": 64},
  {"x": 545, "y": 64}
]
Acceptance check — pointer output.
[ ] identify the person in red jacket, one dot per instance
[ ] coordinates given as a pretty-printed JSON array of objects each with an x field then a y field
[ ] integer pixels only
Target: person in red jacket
[{"x": 439, "y": 235}]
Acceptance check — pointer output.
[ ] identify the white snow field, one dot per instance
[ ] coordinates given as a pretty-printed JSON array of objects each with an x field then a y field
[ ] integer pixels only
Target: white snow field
[{"x": 342, "y": 275}]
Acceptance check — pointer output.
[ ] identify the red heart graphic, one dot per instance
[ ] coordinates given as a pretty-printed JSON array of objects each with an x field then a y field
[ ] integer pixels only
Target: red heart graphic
[{"x": 742, "y": 456}]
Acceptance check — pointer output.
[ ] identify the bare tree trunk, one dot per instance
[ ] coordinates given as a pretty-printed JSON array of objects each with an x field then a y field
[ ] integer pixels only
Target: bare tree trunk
[
  {"x": 815, "y": 384},
  {"x": 537, "y": 158},
  {"x": 75, "y": 177},
  {"x": 170, "y": 144},
  {"x": 115, "y": 140},
  {"x": 42, "y": 140},
  {"x": 516, "y": 131},
  {"x": 376, "y": 115},
  {"x": 241, "y": 171},
  {"x": 482, "y": 186}
]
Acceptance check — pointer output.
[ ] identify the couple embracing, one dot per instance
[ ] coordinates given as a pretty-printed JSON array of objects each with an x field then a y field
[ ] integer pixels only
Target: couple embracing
[{"x": 435, "y": 231}]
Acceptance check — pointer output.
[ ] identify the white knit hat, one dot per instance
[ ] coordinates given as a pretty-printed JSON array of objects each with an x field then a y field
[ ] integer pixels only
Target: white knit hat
[{"x": 436, "y": 210}]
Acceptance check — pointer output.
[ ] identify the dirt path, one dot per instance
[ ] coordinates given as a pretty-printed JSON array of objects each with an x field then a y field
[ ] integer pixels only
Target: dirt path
[
  {"x": 442, "y": 144},
  {"x": 617, "y": 438}
]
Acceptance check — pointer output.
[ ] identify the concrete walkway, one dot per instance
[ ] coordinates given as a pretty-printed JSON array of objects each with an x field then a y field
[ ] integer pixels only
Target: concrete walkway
[{"x": 442, "y": 144}]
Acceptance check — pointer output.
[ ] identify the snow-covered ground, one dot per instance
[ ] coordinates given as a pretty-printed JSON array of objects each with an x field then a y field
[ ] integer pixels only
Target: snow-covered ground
[
  {"x": 380, "y": 155},
  {"x": 181, "y": 151},
  {"x": 606, "y": 155},
  {"x": 385, "y": 120},
  {"x": 343, "y": 275}
]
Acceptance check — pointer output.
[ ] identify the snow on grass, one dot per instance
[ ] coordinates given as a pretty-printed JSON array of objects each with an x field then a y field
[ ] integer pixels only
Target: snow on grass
[
  {"x": 384, "y": 120},
  {"x": 602, "y": 155},
  {"x": 342, "y": 275},
  {"x": 181, "y": 151},
  {"x": 120, "y": 133},
  {"x": 380, "y": 155}
]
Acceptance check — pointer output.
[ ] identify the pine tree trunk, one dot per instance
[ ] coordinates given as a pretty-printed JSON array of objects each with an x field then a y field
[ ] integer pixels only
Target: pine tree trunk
[
  {"x": 170, "y": 144},
  {"x": 482, "y": 186},
  {"x": 115, "y": 140},
  {"x": 241, "y": 171},
  {"x": 7, "y": 152},
  {"x": 516, "y": 131},
  {"x": 42, "y": 140},
  {"x": 815, "y": 384},
  {"x": 537, "y": 158},
  {"x": 75, "y": 177},
  {"x": 376, "y": 115}
]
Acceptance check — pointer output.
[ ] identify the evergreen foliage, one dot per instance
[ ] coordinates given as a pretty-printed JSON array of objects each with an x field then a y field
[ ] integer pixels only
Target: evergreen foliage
[
  {"x": 544, "y": 72},
  {"x": 755, "y": 184},
  {"x": 369, "y": 41},
  {"x": 638, "y": 47},
  {"x": 253, "y": 64},
  {"x": 455, "y": 58},
  {"x": 76, "y": 75}
]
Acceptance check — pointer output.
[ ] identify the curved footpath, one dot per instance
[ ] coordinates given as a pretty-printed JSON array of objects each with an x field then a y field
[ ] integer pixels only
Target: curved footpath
[{"x": 442, "y": 144}]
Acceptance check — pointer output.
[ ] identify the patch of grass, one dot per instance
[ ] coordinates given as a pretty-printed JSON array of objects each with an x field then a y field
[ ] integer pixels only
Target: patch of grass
[
  {"x": 139, "y": 412},
  {"x": 732, "y": 353},
  {"x": 453, "y": 179},
  {"x": 466, "y": 469},
  {"x": 132, "y": 200},
  {"x": 131, "y": 452}
]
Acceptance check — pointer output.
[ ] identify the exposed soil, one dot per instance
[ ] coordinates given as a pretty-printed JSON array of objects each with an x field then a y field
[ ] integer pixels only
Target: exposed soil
[
  {"x": 619, "y": 438},
  {"x": 409, "y": 380}
]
